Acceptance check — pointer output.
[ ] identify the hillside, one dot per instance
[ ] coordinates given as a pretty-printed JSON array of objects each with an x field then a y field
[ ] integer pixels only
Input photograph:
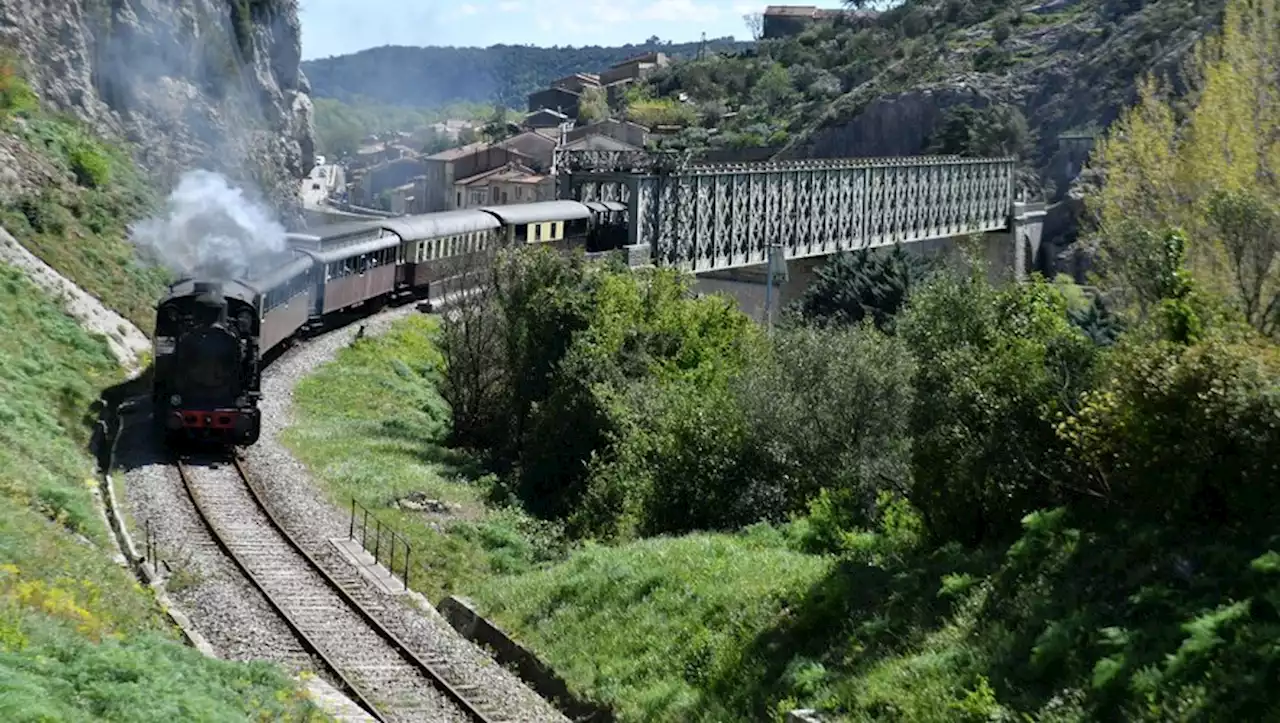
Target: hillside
[
  {"x": 191, "y": 83},
  {"x": 80, "y": 639},
  {"x": 505, "y": 74},
  {"x": 1032, "y": 70},
  {"x": 1028, "y": 70}
]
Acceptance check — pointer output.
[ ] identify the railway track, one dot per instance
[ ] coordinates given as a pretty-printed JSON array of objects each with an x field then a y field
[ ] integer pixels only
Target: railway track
[{"x": 378, "y": 671}]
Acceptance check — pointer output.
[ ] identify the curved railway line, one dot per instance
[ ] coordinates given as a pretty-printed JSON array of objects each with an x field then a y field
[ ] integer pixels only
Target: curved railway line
[{"x": 381, "y": 674}]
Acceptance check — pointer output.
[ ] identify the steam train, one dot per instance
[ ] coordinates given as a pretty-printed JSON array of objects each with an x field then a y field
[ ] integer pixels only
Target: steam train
[{"x": 211, "y": 336}]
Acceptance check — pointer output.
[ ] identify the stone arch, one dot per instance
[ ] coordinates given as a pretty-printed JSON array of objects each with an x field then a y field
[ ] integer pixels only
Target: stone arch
[{"x": 1031, "y": 261}]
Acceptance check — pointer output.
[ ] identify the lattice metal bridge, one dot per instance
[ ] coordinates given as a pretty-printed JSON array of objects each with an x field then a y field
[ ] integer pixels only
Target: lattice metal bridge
[{"x": 712, "y": 217}]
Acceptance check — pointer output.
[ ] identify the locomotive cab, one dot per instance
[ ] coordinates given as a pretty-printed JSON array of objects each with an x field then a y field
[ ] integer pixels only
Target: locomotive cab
[{"x": 206, "y": 384}]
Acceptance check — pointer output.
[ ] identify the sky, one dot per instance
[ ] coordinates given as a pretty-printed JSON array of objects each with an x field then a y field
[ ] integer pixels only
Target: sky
[{"x": 338, "y": 27}]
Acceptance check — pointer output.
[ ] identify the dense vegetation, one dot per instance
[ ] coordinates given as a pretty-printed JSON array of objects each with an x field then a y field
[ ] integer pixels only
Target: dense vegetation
[
  {"x": 340, "y": 127},
  {"x": 1042, "y": 504},
  {"x": 502, "y": 74},
  {"x": 80, "y": 640},
  {"x": 80, "y": 195}
]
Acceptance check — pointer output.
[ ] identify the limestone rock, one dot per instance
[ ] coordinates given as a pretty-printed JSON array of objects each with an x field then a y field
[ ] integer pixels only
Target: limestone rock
[{"x": 182, "y": 79}]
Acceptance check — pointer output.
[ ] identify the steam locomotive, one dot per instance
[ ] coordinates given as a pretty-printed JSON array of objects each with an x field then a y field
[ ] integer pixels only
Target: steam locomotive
[
  {"x": 206, "y": 381},
  {"x": 211, "y": 335}
]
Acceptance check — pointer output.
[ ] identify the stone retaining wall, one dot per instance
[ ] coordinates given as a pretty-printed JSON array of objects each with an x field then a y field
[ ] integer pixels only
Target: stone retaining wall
[{"x": 462, "y": 615}]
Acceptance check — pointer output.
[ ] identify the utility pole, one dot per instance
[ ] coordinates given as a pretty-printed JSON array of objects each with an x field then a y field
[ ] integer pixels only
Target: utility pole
[
  {"x": 702, "y": 47},
  {"x": 777, "y": 267}
]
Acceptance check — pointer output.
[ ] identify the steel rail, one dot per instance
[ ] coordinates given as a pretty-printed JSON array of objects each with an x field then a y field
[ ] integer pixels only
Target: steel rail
[
  {"x": 452, "y": 693},
  {"x": 302, "y": 637}
]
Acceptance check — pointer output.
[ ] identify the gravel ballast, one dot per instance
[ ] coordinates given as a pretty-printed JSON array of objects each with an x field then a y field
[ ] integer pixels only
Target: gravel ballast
[
  {"x": 301, "y": 508},
  {"x": 228, "y": 611}
]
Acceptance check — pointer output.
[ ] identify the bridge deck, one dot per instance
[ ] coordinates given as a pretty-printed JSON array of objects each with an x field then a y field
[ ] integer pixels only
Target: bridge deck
[{"x": 721, "y": 216}]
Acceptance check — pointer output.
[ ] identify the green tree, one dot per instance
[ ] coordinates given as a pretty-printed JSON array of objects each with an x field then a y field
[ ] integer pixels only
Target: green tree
[
  {"x": 498, "y": 128},
  {"x": 774, "y": 90},
  {"x": 863, "y": 284},
  {"x": 593, "y": 106},
  {"x": 1214, "y": 175},
  {"x": 993, "y": 131},
  {"x": 995, "y": 367}
]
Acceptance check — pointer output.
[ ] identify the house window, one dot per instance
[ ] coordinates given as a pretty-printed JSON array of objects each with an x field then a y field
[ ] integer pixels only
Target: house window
[{"x": 459, "y": 199}]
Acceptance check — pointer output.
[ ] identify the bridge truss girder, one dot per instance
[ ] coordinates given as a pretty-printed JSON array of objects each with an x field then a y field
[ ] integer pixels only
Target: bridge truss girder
[{"x": 711, "y": 217}]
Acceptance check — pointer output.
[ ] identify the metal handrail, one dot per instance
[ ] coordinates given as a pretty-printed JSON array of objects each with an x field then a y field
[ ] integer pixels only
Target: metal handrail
[{"x": 382, "y": 533}]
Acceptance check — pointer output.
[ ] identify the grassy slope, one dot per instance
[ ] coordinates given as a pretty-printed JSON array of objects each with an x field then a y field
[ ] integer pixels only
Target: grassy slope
[
  {"x": 88, "y": 192},
  {"x": 79, "y": 638},
  {"x": 621, "y": 624},
  {"x": 370, "y": 423},
  {"x": 744, "y": 627}
]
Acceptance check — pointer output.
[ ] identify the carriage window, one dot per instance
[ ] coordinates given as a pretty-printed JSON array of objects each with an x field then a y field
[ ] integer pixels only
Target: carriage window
[{"x": 537, "y": 231}]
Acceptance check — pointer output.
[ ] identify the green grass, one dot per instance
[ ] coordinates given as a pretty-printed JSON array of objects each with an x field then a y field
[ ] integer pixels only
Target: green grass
[
  {"x": 78, "y": 226},
  {"x": 371, "y": 425},
  {"x": 664, "y": 629},
  {"x": 655, "y": 629},
  {"x": 79, "y": 638},
  {"x": 1064, "y": 625}
]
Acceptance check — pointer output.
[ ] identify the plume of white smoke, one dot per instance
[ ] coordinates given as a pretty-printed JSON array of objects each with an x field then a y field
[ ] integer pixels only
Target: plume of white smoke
[{"x": 210, "y": 230}]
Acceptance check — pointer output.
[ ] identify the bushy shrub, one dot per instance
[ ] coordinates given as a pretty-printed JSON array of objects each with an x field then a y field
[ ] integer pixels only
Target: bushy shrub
[
  {"x": 993, "y": 368},
  {"x": 829, "y": 409},
  {"x": 1182, "y": 433},
  {"x": 15, "y": 94}
]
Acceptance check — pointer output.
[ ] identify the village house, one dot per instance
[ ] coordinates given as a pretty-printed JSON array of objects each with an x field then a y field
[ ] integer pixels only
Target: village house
[
  {"x": 783, "y": 21},
  {"x": 634, "y": 69},
  {"x": 384, "y": 176},
  {"x": 545, "y": 118},
  {"x": 564, "y": 95},
  {"x": 598, "y": 143},
  {"x": 507, "y": 184},
  {"x": 560, "y": 100},
  {"x": 630, "y": 133},
  {"x": 540, "y": 145},
  {"x": 437, "y": 190}
]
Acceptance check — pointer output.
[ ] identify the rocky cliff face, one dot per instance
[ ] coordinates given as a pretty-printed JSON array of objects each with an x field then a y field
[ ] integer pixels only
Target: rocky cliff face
[
  {"x": 1068, "y": 65},
  {"x": 209, "y": 84}
]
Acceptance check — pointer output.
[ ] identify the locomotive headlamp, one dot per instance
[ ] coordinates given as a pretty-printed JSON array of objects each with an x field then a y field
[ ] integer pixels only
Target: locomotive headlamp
[{"x": 175, "y": 400}]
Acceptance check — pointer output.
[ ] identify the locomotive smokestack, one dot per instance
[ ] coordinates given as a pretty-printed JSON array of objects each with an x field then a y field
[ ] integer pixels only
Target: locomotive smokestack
[
  {"x": 209, "y": 294},
  {"x": 208, "y": 288}
]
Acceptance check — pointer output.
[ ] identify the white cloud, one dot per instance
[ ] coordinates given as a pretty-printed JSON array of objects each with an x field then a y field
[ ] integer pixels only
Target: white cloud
[{"x": 467, "y": 9}]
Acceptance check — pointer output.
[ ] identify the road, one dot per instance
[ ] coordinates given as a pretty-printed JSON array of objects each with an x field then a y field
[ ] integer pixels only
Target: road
[{"x": 322, "y": 181}]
